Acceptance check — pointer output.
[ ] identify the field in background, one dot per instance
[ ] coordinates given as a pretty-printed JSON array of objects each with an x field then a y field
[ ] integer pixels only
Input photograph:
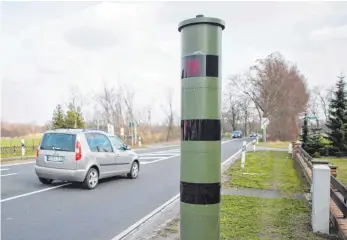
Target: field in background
[
  {"x": 29, "y": 140},
  {"x": 11, "y": 147}
]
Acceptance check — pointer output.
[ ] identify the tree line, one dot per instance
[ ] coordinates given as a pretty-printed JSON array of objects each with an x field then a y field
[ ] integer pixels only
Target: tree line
[
  {"x": 115, "y": 105},
  {"x": 332, "y": 140},
  {"x": 271, "y": 88}
]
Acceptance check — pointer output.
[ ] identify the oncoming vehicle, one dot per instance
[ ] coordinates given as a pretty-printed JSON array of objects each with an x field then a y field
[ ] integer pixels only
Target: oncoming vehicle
[
  {"x": 237, "y": 134},
  {"x": 253, "y": 134},
  {"x": 82, "y": 155}
]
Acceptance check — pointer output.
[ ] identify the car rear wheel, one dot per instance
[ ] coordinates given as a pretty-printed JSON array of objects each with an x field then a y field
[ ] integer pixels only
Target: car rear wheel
[
  {"x": 45, "y": 180},
  {"x": 91, "y": 180},
  {"x": 134, "y": 171}
]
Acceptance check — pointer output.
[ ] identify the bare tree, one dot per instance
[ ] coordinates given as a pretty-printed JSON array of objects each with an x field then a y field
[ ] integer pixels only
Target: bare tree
[
  {"x": 232, "y": 106},
  {"x": 111, "y": 102},
  {"x": 324, "y": 96},
  {"x": 169, "y": 113},
  {"x": 245, "y": 102},
  {"x": 144, "y": 116},
  {"x": 129, "y": 94},
  {"x": 314, "y": 104},
  {"x": 277, "y": 89}
]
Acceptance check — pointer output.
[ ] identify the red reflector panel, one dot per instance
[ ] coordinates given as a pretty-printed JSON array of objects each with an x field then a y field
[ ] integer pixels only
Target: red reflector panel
[{"x": 200, "y": 66}]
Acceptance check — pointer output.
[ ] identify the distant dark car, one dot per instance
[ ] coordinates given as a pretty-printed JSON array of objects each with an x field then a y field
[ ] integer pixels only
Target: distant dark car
[
  {"x": 237, "y": 134},
  {"x": 253, "y": 134}
]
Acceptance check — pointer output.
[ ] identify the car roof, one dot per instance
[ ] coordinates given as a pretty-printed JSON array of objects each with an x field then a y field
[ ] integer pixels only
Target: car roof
[{"x": 77, "y": 130}]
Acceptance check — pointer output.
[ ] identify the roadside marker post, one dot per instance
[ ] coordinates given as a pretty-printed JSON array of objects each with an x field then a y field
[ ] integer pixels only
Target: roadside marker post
[
  {"x": 23, "y": 148},
  {"x": 200, "y": 175},
  {"x": 243, "y": 154}
]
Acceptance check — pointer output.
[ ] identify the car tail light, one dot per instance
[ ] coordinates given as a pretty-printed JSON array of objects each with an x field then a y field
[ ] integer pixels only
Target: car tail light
[
  {"x": 37, "y": 152},
  {"x": 78, "y": 151}
]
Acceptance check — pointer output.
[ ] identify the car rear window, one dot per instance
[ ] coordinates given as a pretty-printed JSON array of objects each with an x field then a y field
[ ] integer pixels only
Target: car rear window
[{"x": 58, "y": 141}]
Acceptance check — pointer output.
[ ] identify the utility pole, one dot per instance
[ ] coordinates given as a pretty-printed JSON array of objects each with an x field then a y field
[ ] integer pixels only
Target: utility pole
[{"x": 201, "y": 40}]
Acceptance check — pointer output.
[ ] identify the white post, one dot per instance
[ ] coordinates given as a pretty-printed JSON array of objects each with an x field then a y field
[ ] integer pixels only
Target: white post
[
  {"x": 257, "y": 139},
  {"x": 243, "y": 154},
  {"x": 290, "y": 148},
  {"x": 320, "y": 198},
  {"x": 132, "y": 134},
  {"x": 23, "y": 148},
  {"x": 254, "y": 147},
  {"x": 140, "y": 141},
  {"x": 122, "y": 132}
]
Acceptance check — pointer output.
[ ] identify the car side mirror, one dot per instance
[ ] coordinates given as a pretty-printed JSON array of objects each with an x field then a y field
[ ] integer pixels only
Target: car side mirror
[{"x": 127, "y": 147}]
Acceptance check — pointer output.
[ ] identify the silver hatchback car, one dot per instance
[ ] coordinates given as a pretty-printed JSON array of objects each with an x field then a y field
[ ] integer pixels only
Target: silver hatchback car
[{"x": 82, "y": 155}]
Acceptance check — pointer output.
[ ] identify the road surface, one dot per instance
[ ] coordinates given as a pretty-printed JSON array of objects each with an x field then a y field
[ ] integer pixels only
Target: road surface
[{"x": 32, "y": 211}]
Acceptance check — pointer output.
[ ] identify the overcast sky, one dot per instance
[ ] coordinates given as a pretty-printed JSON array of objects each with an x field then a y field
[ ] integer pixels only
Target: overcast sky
[{"x": 49, "y": 47}]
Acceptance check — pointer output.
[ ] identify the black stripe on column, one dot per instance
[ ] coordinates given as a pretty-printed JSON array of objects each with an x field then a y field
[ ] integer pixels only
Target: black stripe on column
[
  {"x": 200, "y": 193},
  {"x": 201, "y": 130}
]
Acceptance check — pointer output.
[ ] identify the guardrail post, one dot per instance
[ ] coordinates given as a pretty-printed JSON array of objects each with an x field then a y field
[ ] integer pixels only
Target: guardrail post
[
  {"x": 290, "y": 148},
  {"x": 140, "y": 143},
  {"x": 23, "y": 148},
  {"x": 320, "y": 198}
]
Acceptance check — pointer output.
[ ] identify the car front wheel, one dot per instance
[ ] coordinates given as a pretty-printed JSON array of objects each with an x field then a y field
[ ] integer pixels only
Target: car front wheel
[{"x": 134, "y": 171}]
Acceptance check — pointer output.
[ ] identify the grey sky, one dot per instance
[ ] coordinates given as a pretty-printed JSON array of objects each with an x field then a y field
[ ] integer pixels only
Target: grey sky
[{"x": 48, "y": 47}]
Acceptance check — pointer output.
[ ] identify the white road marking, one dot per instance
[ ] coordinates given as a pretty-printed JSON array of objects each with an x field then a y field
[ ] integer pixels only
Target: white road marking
[
  {"x": 4, "y": 169},
  {"x": 160, "y": 159},
  {"x": 148, "y": 157},
  {"x": 158, "y": 210},
  {"x": 10, "y": 174},
  {"x": 15, "y": 164},
  {"x": 32, "y": 193},
  {"x": 157, "y": 154}
]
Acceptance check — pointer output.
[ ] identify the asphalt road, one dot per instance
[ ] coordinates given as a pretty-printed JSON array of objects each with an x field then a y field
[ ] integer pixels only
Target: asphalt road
[{"x": 32, "y": 211}]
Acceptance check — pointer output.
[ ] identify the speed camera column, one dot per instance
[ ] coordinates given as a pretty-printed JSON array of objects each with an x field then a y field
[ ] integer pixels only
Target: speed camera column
[{"x": 201, "y": 46}]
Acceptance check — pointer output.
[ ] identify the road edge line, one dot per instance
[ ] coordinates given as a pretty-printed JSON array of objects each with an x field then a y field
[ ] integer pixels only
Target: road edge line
[{"x": 161, "y": 208}]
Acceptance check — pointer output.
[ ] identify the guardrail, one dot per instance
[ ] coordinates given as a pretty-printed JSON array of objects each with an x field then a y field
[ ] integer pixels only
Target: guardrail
[{"x": 338, "y": 191}]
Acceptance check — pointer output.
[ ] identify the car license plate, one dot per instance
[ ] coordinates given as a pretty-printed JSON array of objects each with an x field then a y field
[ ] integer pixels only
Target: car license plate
[{"x": 54, "y": 158}]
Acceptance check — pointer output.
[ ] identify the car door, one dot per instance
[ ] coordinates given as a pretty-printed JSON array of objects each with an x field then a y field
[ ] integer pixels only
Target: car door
[
  {"x": 123, "y": 159},
  {"x": 102, "y": 150}
]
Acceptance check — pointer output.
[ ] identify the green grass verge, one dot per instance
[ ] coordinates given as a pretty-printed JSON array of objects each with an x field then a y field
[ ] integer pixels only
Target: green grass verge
[
  {"x": 266, "y": 170},
  {"x": 253, "y": 218},
  {"x": 341, "y": 164},
  {"x": 274, "y": 144}
]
